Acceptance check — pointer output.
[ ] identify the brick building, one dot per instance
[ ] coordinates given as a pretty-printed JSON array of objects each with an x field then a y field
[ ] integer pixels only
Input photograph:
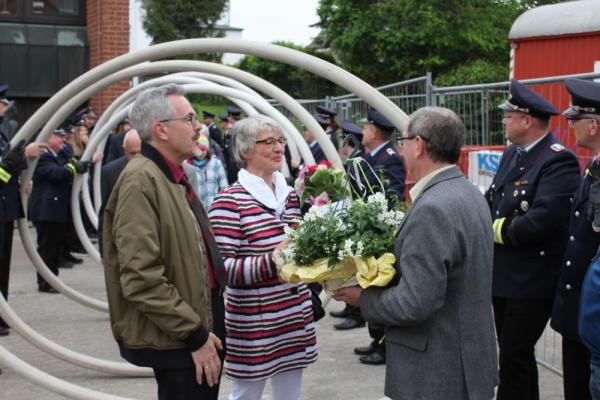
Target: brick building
[{"x": 45, "y": 44}]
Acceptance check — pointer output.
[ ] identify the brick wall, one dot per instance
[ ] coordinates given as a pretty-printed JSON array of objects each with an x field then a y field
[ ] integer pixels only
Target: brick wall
[{"x": 108, "y": 37}]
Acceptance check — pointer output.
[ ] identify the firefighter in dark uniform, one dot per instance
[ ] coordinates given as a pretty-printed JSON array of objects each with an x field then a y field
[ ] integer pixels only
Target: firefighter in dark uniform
[
  {"x": 49, "y": 202},
  {"x": 13, "y": 160},
  {"x": 351, "y": 141},
  {"x": 584, "y": 118},
  {"x": 313, "y": 145},
  {"x": 233, "y": 116},
  {"x": 385, "y": 167},
  {"x": 529, "y": 198},
  {"x": 214, "y": 132},
  {"x": 332, "y": 127}
]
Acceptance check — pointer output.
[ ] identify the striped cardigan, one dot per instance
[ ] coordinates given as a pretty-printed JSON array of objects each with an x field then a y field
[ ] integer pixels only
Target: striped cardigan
[{"x": 270, "y": 326}]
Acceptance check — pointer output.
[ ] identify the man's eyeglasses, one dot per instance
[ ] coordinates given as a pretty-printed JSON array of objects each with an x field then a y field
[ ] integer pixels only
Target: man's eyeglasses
[
  {"x": 401, "y": 139},
  {"x": 271, "y": 141},
  {"x": 191, "y": 119}
]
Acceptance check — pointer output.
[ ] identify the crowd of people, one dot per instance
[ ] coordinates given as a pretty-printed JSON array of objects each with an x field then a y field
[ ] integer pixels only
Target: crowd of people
[{"x": 192, "y": 211}]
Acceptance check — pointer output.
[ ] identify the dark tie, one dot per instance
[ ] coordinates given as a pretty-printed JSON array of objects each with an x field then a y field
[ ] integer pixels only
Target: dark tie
[
  {"x": 519, "y": 154},
  {"x": 209, "y": 238}
]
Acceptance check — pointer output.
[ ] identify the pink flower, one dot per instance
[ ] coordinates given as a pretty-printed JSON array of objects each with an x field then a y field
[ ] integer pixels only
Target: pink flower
[{"x": 320, "y": 200}]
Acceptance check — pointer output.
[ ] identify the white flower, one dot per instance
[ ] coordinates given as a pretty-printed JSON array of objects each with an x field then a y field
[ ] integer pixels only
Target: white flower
[
  {"x": 314, "y": 213},
  {"x": 360, "y": 246},
  {"x": 391, "y": 218},
  {"x": 285, "y": 256},
  {"x": 378, "y": 199}
]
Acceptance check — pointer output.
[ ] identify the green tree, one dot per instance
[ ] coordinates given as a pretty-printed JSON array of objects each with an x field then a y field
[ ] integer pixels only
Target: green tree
[
  {"x": 383, "y": 41},
  {"x": 297, "y": 82},
  {"x": 183, "y": 19}
]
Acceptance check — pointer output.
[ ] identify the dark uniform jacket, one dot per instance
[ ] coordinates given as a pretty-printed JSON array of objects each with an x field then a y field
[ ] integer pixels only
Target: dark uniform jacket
[
  {"x": 317, "y": 152},
  {"x": 215, "y": 134},
  {"x": 534, "y": 194},
  {"x": 386, "y": 164},
  {"x": 49, "y": 201},
  {"x": 581, "y": 248},
  {"x": 10, "y": 203}
]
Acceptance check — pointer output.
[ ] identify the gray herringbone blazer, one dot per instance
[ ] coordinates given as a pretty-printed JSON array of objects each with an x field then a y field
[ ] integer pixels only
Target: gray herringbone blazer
[{"x": 438, "y": 316}]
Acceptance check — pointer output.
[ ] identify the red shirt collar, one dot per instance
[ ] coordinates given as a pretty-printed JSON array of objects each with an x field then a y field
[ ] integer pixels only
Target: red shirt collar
[{"x": 176, "y": 170}]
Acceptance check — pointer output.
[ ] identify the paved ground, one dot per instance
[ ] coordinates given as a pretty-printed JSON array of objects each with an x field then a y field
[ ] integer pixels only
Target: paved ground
[{"x": 336, "y": 375}]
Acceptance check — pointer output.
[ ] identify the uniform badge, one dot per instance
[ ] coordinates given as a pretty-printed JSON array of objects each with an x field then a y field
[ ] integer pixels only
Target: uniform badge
[
  {"x": 557, "y": 147},
  {"x": 521, "y": 183},
  {"x": 524, "y": 206},
  {"x": 390, "y": 152},
  {"x": 515, "y": 193}
]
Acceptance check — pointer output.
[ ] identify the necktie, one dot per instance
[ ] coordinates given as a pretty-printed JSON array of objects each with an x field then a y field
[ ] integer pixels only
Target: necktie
[
  {"x": 209, "y": 238},
  {"x": 519, "y": 154}
]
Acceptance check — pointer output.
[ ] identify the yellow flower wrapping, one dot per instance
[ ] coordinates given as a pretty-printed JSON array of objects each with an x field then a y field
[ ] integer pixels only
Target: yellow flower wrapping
[{"x": 368, "y": 271}]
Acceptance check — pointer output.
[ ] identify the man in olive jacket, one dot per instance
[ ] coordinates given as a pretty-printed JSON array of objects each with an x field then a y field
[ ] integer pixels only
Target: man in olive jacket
[{"x": 163, "y": 270}]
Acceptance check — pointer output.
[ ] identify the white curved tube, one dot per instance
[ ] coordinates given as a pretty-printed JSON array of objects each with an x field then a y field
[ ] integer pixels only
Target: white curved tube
[
  {"x": 52, "y": 383},
  {"x": 70, "y": 356},
  {"x": 257, "y": 102},
  {"x": 54, "y": 121}
]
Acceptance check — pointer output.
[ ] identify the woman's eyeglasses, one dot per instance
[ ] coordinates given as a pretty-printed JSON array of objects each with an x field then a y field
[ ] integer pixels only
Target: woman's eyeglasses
[{"x": 271, "y": 141}]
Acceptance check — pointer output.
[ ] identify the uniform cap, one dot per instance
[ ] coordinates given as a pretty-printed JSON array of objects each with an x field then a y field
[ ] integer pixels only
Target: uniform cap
[
  {"x": 223, "y": 117},
  {"x": 207, "y": 114},
  {"x": 527, "y": 101},
  {"x": 348, "y": 128},
  {"x": 59, "y": 132},
  {"x": 376, "y": 118},
  {"x": 325, "y": 111},
  {"x": 235, "y": 112},
  {"x": 585, "y": 97},
  {"x": 321, "y": 121}
]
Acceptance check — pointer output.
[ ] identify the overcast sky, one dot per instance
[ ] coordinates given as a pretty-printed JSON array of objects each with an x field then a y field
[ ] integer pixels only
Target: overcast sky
[{"x": 270, "y": 20}]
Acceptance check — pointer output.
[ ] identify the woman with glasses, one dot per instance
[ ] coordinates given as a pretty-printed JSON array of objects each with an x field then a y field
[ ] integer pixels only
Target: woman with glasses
[{"x": 270, "y": 326}]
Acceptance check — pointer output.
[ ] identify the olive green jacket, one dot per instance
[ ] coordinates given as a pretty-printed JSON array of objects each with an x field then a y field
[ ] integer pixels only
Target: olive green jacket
[{"x": 155, "y": 261}]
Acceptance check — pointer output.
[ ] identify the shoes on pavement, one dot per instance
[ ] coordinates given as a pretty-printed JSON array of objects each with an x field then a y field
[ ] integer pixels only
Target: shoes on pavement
[
  {"x": 372, "y": 359},
  {"x": 343, "y": 313},
  {"x": 71, "y": 258},
  {"x": 47, "y": 289},
  {"x": 365, "y": 350},
  {"x": 349, "y": 323}
]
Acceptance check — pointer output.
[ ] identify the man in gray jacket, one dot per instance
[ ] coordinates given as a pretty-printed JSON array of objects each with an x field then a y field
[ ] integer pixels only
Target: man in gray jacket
[{"x": 437, "y": 313}]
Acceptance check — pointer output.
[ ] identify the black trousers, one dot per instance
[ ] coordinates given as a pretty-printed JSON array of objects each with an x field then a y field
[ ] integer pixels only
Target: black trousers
[
  {"x": 519, "y": 325},
  {"x": 377, "y": 333},
  {"x": 576, "y": 370},
  {"x": 181, "y": 383},
  {"x": 50, "y": 240},
  {"x": 6, "y": 238}
]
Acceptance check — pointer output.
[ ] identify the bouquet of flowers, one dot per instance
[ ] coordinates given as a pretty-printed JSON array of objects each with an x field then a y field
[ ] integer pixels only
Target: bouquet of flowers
[
  {"x": 343, "y": 244},
  {"x": 321, "y": 184}
]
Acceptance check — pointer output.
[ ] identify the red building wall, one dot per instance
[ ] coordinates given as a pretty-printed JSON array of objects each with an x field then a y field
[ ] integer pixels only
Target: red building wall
[
  {"x": 553, "y": 56},
  {"x": 108, "y": 37}
]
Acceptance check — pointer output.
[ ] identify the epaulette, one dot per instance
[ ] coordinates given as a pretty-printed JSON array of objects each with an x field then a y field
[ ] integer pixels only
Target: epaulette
[{"x": 557, "y": 147}]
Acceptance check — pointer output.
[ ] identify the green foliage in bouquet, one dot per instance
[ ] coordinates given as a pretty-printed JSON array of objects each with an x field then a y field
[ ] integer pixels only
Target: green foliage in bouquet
[
  {"x": 321, "y": 184},
  {"x": 337, "y": 231}
]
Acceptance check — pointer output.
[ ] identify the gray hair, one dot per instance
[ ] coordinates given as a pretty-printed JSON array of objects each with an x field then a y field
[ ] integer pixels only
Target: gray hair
[
  {"x": 245, "y": 132},
  {"x": 443, "y": 131},
  {"x": 152, "y": 105}
]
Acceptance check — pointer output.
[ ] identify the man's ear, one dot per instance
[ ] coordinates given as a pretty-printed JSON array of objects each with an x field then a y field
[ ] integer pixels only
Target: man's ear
[
  {"x": 420, "y": 148},
  {"x": 159, "y": 132}
]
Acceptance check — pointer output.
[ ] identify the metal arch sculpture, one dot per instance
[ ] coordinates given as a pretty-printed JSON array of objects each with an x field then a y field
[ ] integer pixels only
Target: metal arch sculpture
[{"x": 269, "y": 51}]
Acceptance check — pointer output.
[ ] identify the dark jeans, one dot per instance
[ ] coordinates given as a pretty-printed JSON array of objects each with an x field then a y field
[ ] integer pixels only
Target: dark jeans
[
  {"x": 6, "y": 237},
  {"x": 181, "y": 384},
  {"x": 576, "y": 370},
  {"x": 519, "y": 325},
  {"x": 50, "y": 239}
]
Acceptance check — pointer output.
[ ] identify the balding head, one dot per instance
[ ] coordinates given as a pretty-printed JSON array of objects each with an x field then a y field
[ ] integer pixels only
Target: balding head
[{"x": 132, "y": 144}]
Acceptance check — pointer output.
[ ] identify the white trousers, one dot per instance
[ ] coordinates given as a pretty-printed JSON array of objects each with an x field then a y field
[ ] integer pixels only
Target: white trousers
[{"x": 285, "y": 386}]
